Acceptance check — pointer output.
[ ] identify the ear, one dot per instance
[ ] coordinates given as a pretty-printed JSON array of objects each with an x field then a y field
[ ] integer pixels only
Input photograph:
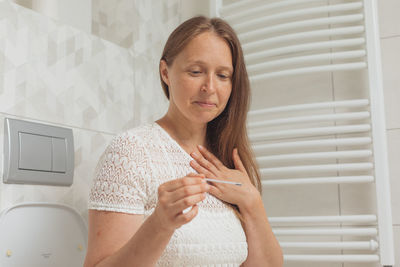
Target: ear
[{"x": 164, "y": 71}]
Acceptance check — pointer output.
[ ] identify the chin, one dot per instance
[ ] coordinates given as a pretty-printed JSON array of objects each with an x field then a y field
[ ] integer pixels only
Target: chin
[
  {"x": 203, "y": 116},
  {"x": 203, "y": 119}
]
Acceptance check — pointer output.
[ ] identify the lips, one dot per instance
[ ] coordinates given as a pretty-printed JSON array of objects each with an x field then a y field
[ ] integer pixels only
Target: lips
[{"x": 205, "y": 104}]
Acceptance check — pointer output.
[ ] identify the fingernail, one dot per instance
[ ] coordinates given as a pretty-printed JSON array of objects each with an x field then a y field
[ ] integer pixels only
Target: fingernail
[
  {"x": 200, "y": 146},
  {"x": 194, "y": 154}
]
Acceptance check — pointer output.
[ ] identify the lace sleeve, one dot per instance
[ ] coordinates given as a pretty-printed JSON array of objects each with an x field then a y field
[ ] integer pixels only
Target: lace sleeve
[{"x": 119, "y": 182}]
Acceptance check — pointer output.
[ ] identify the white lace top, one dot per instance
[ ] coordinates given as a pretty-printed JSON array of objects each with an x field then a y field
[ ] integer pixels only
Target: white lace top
[{"x": 127, "y": 178}]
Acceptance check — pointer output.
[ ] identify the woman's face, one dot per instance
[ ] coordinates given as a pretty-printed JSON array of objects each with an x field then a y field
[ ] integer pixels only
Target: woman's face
[{"x": 200, "y": 78}]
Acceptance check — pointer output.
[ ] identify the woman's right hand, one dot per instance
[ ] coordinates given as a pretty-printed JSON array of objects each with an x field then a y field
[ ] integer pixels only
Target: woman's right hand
[{"x": 177, "y": 195}]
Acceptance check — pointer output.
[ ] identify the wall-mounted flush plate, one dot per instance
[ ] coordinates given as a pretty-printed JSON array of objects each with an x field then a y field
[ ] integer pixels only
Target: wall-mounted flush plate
[{"x": 36, "y": 153}]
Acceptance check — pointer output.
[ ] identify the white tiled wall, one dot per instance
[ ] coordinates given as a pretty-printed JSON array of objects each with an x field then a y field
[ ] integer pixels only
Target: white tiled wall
[
  {"x": 391, "y": 78},
  {"x": 389, "y": 20}
]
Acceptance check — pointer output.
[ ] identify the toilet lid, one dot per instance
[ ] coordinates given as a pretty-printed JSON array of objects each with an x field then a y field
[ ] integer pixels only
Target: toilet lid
[{"x": 42, "y": 234}]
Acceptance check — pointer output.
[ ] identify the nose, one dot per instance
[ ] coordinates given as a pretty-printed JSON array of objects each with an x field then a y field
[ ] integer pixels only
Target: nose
[{"x": 209, "y": 84}]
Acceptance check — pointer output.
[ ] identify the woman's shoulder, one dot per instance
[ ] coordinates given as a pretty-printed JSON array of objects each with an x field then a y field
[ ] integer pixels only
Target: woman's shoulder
[
  {"x": 131, "y": 144},
  {"x": 139, "y": 135}
]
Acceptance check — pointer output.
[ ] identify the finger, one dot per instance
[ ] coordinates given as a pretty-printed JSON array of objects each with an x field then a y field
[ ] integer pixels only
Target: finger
[
  {"x": 210, "y": 157},
  {"x": 195, "y": 165},
  {"x": 186, "y": 191},
  {"x": 215, "y": 191},
  {"x": 237, "y": 161},
  {"x": 172, "y": 185},
  {"x": 187, "y": 202},
  {"x": 205, "y": 163},
  {"x": 192, "y": 174},
  {"x": 201, "y": 175},
  {"x": 184, "y": 218}
]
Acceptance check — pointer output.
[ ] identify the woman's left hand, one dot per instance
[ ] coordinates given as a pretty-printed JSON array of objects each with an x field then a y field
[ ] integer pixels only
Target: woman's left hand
[{"x": 209, "y": 165}]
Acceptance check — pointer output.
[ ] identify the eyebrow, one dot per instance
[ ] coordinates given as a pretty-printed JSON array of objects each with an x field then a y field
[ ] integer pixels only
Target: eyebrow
[{"x": 204, "y": 63}]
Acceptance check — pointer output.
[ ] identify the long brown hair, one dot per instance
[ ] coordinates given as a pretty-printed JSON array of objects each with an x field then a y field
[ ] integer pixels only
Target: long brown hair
[{"x": 228, "y": 130}]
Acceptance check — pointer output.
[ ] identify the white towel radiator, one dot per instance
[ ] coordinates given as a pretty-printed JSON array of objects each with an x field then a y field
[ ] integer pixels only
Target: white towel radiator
[{"x": 291, "y": 38}]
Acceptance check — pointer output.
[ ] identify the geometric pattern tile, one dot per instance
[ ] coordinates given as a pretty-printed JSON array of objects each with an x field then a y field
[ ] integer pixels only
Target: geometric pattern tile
[
  {"x": 56, "y": 73},
  {"x": 149, "y": 24},
  {"x": 154, "y": 21},
  {"x": 113, "y": 21}
]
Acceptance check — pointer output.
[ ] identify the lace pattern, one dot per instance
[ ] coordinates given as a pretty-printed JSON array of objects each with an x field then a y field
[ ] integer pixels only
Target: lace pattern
[
  {"x": 120, "y": 181},
  {"x": 127, "y": 178}
]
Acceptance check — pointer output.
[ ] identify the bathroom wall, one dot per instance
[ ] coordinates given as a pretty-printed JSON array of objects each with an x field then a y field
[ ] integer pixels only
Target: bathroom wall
[
  {"x": 389, "y": 20},
  {"x": 141, "y": 27},
  {"x": 76, "y": 13}
]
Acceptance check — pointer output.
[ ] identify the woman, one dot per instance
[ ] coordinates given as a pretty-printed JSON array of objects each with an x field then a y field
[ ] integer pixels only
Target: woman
[{"x": 150, "y": 204}]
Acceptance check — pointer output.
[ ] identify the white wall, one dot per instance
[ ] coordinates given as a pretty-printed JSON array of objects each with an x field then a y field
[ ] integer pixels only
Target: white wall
[
  {"x": 191, "y": 8},
  {"x": 389, "y": 21},
  {"x": 76, "y": 13}
]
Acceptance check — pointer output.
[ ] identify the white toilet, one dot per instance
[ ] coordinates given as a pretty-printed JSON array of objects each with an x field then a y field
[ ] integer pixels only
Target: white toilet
[{"x": 42, "y": 235}]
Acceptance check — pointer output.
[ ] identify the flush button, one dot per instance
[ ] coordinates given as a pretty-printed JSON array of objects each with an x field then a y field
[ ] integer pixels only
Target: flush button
[
  {"x": 59, "y": 155},
  {"x": 34, "y": 152}
]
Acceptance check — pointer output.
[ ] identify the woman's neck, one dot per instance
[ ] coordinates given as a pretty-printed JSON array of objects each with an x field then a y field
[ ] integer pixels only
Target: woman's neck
[{"x": 187, "y": 134}]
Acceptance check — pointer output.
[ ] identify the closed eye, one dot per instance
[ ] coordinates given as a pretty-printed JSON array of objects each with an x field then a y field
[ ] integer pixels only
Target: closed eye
[
  {"x": 222, "y": 76},
  {"x": 195, "y": 72}
]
